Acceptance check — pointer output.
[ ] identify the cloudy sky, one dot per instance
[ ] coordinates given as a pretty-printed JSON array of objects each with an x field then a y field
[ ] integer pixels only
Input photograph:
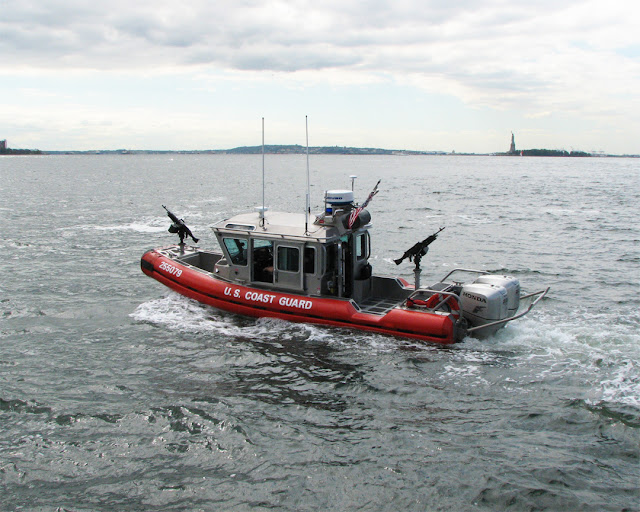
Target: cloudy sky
[{"x": 403, "y": 74}]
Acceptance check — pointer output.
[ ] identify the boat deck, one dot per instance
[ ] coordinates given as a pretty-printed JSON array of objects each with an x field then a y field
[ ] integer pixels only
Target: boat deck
[{"x": 378, "y": 305}]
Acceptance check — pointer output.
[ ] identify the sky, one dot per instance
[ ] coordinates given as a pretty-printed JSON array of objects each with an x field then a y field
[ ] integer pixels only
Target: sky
[{"x": 431, "y": 75}]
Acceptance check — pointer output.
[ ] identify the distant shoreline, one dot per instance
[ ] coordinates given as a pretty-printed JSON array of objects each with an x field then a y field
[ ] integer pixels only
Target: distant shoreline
[
  {"x": 9, "y": 151},
  {"x": 316, "y": 150}
]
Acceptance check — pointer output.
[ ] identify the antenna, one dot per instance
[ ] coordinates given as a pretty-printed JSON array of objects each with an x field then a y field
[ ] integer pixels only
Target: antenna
[
  {"x": 264, "y": 208},
  {"x": 353, "y": 179},
  {"x": 307, "y": 210},
  {"x": 263, "y": 167}
]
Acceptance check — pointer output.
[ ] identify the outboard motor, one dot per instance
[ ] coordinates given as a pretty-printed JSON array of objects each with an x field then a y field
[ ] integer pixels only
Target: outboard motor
[{"x": 490, "y": 298}]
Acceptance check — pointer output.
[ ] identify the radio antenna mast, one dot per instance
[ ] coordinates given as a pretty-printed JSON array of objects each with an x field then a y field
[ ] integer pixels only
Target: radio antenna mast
[
  {"x": 263, "y": 166},
  {"x": 307, "y": 210},
  {"x": 263, "y": 209}
]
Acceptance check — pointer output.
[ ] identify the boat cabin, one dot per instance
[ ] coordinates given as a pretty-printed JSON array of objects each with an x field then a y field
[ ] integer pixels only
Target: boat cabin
[
  {"x": 284, "y": 251},
  {"x": 326, "y": 256}
]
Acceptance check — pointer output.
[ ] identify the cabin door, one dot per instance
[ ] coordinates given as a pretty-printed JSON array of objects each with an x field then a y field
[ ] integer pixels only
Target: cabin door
[
  {"x": 288, "y": 267},
  {"x": 262, "y": 260}
]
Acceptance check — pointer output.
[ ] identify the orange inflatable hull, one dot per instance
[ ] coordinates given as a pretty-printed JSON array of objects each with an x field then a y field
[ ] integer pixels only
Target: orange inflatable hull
[{"x": 257, "y": 302}]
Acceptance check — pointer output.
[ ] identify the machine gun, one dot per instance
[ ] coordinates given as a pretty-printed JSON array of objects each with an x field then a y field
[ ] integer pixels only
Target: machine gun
[
  {"x": 416, "y": 253},
  {"x": 418, "y": 250},
  {"x": 179, "y": 227}
]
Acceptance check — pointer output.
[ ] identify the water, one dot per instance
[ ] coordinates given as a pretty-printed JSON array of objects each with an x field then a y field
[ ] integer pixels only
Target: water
[{"x": 117, "y": 394}]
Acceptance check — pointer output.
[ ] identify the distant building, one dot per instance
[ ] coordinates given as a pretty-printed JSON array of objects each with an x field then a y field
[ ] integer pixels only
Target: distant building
[
  {"x": 3, "y": 145},
  {"x": 512, "y": 148}
]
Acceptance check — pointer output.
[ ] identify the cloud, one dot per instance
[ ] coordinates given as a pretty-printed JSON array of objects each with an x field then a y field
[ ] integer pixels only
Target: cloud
[
  {"x": 466, "y": 40},
  {"x": 576, "y": 57},
  {"x": 380, "y": 35}
]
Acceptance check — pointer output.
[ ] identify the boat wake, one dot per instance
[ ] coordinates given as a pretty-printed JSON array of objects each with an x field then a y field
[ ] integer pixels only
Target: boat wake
[
  {"x": 601, "y": 351},
  {"x": 179, "y": 313},
  {"x": 151, "y": 226},
  {"x": 545, "y": 347}
]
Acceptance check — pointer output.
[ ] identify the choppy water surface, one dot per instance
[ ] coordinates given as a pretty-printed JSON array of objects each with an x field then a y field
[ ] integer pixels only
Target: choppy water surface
[{"x": 117, "y": 394}]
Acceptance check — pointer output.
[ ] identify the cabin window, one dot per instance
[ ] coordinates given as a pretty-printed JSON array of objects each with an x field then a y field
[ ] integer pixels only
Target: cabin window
[
  {"x": 309, "y": 260},
  {"x": 288, "y": 259},
  {"x": 244, "y": 227},
  {"x": 362, "y": 246},
  {"x": 237, "y": 249}
]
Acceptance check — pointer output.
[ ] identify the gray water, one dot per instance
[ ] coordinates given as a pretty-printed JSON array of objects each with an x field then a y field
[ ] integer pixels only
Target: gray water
[{"x": 117, "y": 394}]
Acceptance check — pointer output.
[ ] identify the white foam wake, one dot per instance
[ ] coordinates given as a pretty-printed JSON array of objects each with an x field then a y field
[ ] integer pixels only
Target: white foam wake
[
  {"x": 600, "y": 349},
  {"x": 177, "y": 312}
]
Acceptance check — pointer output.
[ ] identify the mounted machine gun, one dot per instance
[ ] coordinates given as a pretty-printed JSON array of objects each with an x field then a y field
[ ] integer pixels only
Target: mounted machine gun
[
  {"x": 416, "y": 253},
  {"x": 179, "y": 227}
]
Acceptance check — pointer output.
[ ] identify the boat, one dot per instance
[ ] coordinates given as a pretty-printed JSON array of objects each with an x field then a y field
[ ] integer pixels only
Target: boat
[{"x": 287, "y": 266}]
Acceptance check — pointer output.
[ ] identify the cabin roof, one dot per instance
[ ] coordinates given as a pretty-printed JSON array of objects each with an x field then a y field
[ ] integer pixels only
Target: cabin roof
[{"x": 277, "y": 224}]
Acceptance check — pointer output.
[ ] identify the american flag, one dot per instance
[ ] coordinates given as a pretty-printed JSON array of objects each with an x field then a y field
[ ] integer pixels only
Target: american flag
[{"x": 356, "y": 211}]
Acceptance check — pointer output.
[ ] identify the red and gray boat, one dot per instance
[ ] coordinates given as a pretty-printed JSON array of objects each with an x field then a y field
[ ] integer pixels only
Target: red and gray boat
[{"x": 282, "y": 265}]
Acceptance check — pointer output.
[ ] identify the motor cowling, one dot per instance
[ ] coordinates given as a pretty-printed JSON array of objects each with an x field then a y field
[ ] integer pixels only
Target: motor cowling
[
  {"x": 509, "y": 283},
  {"x": 483, "y": 303}
]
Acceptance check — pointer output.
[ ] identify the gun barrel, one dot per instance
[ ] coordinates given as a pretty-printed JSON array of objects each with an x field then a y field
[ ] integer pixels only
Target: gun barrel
[{"x": 172, "y": 216}]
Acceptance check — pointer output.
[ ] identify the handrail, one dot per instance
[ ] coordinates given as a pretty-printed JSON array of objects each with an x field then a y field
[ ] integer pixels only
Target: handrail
[
  {"x": 464, "y": 270},
  {"x": 542, "y": 294},
  {"x": 442, "y": 292}
]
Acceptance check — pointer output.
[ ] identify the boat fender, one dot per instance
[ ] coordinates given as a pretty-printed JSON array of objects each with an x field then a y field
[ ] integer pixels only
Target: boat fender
[
  {"x": 363, "y": 218},
  {"x": 450, "y": 302},
  {"x": 145, "y": 265}
]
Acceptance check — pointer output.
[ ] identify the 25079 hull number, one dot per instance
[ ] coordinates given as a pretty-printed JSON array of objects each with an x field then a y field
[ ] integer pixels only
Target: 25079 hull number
[{"x": 170, "y": 269}]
